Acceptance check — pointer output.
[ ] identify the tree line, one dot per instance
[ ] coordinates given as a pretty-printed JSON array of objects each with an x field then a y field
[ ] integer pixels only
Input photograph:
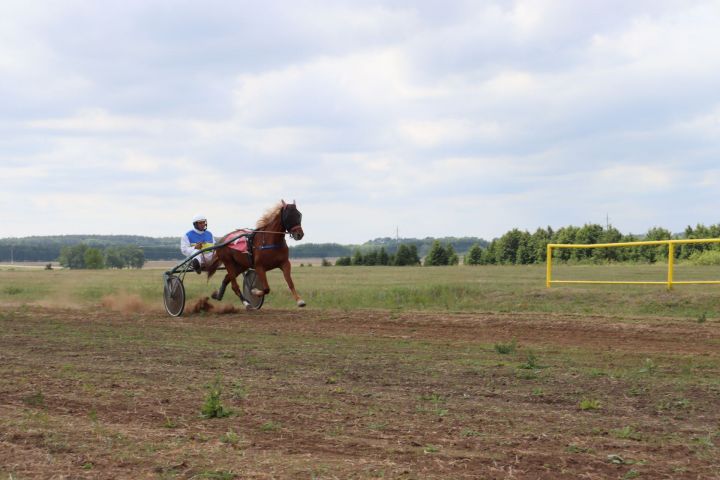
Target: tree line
[
  {"x": 522, "y": 248},
  {"x": 84, "y": 256},
  {"x": 518, "y": 247},
  {"x": 405, "y": 255},
  {"x": 48, "y": 248}
]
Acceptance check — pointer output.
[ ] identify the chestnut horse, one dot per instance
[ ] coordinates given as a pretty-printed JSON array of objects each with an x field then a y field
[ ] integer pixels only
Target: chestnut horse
[{"x": 267, "y": 250}]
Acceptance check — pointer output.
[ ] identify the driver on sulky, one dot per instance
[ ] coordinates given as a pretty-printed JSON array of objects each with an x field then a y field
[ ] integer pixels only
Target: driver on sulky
[{"x": 197, "y": 239}]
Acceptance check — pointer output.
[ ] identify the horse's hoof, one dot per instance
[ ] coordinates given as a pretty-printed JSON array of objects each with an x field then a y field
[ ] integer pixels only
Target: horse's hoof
[
  {"x": 214, "y": 296},
  {"x": 301, "y": 303},
  {"x": 247, "y": 305}
]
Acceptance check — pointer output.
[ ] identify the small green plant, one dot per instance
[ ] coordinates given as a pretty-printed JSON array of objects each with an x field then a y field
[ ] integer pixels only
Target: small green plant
[
  {"x": 230, "y": 437},
  {"x": 12, "y": 290},
  {"x": 648, "y": 367},
  {"x": 572, "y": 448},
  {"x": 270, "y": 426},
  {"x": 702, "y": 318},
  {"x": 590, "y": 404},
  {"x": 632, "y": 473},
  {"x": 531, "y": 362},
  {"x": 506, "y": 348},
  {"x": 537, "y": 392},
  {"x": 431, "y": 449},
  {"x": 626, "y": 432},
  {"x": 213, "y": 407}
]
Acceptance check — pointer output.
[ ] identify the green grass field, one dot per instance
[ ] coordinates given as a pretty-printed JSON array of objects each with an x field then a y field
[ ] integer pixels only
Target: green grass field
[{"x": 451, "y": 289}]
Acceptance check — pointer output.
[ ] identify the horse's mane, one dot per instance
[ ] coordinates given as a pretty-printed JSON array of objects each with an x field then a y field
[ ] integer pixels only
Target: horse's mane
[{"x": 269, "y": 216}]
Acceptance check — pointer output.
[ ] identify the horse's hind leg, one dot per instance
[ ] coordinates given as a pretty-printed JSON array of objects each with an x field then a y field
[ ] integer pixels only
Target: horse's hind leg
[
  {"x": 229, "y": 278},
  {"x": 285, "y": 267},
  {"x": 220, "y": 292}
]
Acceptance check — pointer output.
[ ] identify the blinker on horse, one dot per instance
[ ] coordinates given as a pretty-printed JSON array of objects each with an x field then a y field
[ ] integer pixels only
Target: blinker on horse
[{"x": 266, "y": 251}]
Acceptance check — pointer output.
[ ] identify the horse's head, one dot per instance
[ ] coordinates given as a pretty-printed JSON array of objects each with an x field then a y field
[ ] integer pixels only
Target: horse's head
[{"x": 291, "y": 219}]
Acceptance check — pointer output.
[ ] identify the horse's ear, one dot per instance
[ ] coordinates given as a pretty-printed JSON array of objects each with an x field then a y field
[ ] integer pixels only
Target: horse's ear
[
  {"x": 283, "y": 202},
  {"x": 293, "y": 201}
]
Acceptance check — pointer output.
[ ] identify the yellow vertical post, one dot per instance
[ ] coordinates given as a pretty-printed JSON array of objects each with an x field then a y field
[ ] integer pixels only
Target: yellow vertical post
[
  {"x": 671, "y": 264},
  {"x": 548, "y": 273}
]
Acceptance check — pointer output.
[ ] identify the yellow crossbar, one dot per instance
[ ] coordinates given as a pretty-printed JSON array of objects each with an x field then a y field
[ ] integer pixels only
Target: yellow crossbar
[{"x": 671, "y": 262}]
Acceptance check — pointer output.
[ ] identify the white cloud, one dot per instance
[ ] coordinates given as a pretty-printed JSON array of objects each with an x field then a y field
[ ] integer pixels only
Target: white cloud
[{"x": 456, "y": 118}]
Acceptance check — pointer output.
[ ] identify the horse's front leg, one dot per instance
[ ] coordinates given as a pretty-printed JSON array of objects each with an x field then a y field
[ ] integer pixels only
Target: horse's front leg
[{"x": 285, "y": 267}]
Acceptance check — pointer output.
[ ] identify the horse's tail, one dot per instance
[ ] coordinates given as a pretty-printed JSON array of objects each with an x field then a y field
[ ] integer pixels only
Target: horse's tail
[{"x": 213, "y": 265}]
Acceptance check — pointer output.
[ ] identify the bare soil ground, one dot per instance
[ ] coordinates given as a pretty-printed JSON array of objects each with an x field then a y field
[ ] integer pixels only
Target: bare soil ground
[{"x": 99, "y": 393}]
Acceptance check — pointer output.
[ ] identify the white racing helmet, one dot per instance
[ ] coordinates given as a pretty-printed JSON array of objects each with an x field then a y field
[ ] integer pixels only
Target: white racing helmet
[{"x": 199, "y": 218}]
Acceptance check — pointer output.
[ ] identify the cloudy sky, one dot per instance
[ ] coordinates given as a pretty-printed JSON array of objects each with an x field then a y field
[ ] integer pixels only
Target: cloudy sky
[{"x": 431, "y": 118}]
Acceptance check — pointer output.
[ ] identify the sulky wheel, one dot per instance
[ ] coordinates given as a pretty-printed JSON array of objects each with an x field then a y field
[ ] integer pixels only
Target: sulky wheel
[
  {"x": 174, "y": 296},
  {"x": 251, "y": 281}
]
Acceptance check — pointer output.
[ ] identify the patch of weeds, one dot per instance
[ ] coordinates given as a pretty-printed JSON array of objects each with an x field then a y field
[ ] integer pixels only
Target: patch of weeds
[
  {"x": 230, "y": 437},
  {"x": 596, "y": 372},
  {"x": 627, "y": 432},
  {"x": 537, "y": 392},
  {"x": 12, "y": 290},
  {"x": 213, "y": 407},
  {"x": 702, "y": 318},
  {"x": 705, "y": 441},
  {"x": 572, "y": 448},
  {"x": 590, "y": 404},
  {"x": 506, "y": 348},
  {"x": 92, "y": 415},
  {"x": 36, "y": 400},
  {"x": 438, "y": 401},
  {"x": 679, "y": 404},
  {"x": 531, "y": 362},
  {"x": 270, "y": 426},
  {"x": 87, "y": 466},
  {"x": 331, "y": 380},
  {"x": 632, "y": 473},
  {"x": 468, "y": 432},
  {"x": 431, "y": 449},
  {"x": 648, "y": 367}
]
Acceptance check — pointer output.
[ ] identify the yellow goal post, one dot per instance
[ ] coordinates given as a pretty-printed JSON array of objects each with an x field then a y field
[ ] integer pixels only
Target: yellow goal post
[{"x": 671, "y": 261}]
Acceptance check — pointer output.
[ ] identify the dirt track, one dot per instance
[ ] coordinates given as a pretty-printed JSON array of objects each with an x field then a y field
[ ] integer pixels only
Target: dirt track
[{"x": 321, "y": 394}]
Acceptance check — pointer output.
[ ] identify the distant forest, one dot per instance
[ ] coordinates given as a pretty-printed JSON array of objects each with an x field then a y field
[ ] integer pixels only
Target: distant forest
[
  {"x": 48, "y": 248},
  {"x": 514, "y": 247}
]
